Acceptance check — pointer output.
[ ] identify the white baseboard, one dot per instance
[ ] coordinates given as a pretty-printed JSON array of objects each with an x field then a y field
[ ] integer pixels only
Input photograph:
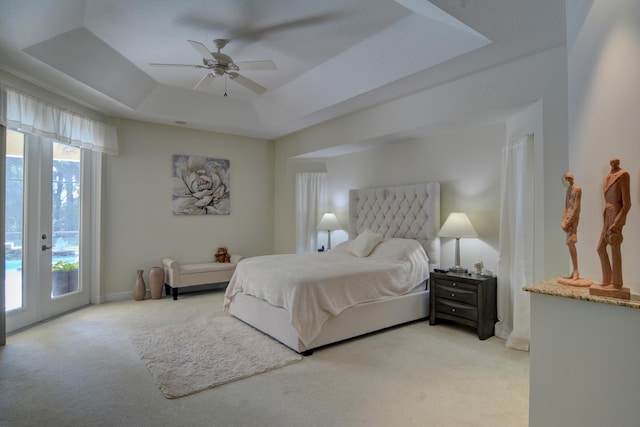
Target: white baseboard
[{"x": 121, "y": 296}]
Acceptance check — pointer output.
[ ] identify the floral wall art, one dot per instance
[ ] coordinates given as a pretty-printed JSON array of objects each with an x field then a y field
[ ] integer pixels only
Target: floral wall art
[{"x": 200, "y": 186}]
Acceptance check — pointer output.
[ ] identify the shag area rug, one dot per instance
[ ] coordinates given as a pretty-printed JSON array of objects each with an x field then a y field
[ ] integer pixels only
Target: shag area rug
[{"x": 190, "y": 357}]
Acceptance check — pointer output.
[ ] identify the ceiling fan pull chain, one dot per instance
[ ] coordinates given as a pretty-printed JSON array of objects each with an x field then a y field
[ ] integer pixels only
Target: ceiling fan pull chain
[{"x": 225, "y": 85}]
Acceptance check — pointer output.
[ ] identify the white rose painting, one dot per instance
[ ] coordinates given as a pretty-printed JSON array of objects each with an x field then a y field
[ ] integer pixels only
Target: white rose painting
[{"x": 200, "y": 186}]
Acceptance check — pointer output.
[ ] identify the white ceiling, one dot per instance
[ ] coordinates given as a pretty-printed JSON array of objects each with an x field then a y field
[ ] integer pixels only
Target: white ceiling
[{"x": 333, "y": 57}]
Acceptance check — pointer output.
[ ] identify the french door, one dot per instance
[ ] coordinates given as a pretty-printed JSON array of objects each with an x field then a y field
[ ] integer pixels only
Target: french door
[{"x": 44, "y": 206}]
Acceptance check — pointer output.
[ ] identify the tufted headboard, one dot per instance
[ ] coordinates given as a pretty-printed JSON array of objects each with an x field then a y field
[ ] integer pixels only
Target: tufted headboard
[{"x": 406, "y": 211}]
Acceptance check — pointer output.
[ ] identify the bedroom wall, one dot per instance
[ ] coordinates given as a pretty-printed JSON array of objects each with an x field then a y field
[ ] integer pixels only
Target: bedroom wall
[
  {"x": 490, "y": 96},
  {"x": 139, "y": 227},
  {"x": 603, "y": 47},
  {"x": 604, "y": 101},
  {"x": 466, "y": 162}
]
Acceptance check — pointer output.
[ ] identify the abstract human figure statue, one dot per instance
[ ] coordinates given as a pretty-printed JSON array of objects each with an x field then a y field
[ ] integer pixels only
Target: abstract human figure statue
[
  {"x": 617, "y": 204},
  {"x": 570, "y": 219}
]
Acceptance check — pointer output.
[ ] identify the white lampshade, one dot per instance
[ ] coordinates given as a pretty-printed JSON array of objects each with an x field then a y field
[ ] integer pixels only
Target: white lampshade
[
  {"x": 329, "y": 222},
  {"x": 457, "y": 225}
]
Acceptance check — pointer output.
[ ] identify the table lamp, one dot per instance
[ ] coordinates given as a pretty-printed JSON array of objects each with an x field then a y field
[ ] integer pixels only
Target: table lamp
[
  {"x": 329, "y": 222},
  {"x": 457, "y": 226}
]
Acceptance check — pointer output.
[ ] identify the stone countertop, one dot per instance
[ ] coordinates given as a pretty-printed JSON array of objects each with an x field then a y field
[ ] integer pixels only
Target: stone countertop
[{"x": 551, "y": 287}]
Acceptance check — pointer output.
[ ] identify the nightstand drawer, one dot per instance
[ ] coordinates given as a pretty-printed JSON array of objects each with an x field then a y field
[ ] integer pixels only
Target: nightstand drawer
[
  {"x": 453, "y": 308},
  {"x": 457, "y": 293},
  {"x": 456, "y": 284}
]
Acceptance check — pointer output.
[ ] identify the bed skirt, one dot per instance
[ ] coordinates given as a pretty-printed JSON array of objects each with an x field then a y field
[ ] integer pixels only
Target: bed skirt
[{"x": 352, "y": 322}]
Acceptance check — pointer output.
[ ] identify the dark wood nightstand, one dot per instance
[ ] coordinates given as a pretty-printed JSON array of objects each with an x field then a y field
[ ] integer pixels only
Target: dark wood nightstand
[{"x": 466, "y": 299}]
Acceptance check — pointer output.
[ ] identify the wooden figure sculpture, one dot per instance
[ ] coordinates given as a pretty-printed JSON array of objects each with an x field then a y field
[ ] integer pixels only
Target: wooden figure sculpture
[
  {"x": 570, "y": 219},
  {"x": 617, "y": 200}
]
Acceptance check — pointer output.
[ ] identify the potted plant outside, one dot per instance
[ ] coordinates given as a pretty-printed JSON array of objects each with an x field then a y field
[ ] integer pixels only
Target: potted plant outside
[{"x": 64, "y": 277}]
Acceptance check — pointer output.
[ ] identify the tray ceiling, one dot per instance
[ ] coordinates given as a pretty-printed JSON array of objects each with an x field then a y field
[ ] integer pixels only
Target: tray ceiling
[{"x": 333, "y": 57}]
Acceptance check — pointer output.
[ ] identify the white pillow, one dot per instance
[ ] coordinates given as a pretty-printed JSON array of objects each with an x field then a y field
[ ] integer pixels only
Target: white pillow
[{"x": 365, "y": 243}]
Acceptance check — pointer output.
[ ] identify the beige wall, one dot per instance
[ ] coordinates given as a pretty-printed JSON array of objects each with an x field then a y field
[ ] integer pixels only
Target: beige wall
[
  {"x": 604, "y": 110},
  {"x": 525, "y": 96},
  {"x": 464, "y": 161},
  {"x": 597, "y": 386},
  {"x": 139, "y": 227}
]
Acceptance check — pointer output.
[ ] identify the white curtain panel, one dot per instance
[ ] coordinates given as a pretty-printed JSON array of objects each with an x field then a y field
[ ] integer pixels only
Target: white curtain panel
[
  {"x": 515, "y": 258},
  {"x": 312, "y": 200},
  {"x": 29, "y": 114}
]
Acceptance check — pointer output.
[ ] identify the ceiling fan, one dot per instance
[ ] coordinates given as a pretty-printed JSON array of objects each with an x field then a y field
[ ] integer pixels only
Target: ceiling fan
[{"x": 219, "y": 64}]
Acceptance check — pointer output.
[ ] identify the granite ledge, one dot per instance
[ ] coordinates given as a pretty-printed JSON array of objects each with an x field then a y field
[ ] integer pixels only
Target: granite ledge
[{"x": 551, "y": 287}]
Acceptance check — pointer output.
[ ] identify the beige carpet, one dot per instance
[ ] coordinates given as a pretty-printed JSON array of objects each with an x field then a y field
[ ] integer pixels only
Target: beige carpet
[
  {"x": 207, "y": 352},
  {"x": 81, "y": 370}
]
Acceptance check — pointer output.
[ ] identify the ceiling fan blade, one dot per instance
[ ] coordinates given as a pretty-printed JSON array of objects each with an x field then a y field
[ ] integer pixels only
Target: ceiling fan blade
[
  {"x": 177, "y": 65},
  {"x": 256, "y": 65},
  {"x": 248, "y": 83},
  {"x": 204, "y": 82},
  {"x": 247, "y": 30},
  {"x": 289, "y": 25},
  {"x": 202, "y": 49}
]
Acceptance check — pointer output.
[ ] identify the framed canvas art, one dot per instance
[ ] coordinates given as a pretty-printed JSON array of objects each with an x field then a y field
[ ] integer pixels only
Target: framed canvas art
[{"x": 200, "y": 186}]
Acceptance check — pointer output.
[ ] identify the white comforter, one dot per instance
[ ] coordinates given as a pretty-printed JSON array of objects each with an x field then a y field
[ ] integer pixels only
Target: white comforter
[{"x": 313, "y": 287}]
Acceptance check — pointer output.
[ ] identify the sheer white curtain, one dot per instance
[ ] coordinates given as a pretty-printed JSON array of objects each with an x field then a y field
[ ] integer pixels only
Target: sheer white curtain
[
  {"x": 515, "y": 259},
  {"x": 31, "y": 115},
  {"x": 312, "y": 200}
]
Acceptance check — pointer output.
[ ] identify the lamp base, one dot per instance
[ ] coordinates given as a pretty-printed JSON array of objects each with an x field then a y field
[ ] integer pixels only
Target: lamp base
[{"x": 457, "y": 269}]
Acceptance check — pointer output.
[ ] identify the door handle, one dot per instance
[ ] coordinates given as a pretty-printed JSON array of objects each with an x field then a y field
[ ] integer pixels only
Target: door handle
[{"x": 45, "y": 247}]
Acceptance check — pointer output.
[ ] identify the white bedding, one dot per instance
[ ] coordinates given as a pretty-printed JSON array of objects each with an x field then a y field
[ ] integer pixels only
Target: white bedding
[{"x": 313, "y": 287}]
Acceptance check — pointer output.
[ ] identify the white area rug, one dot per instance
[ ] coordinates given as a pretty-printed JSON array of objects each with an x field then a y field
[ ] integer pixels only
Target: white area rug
[{"x": 208, "y": 352}]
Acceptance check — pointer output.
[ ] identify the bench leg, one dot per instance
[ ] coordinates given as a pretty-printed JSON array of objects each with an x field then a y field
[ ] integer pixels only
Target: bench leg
[
  {"x": 167, "y": 289},
  {"x": 175, "y": 293}
]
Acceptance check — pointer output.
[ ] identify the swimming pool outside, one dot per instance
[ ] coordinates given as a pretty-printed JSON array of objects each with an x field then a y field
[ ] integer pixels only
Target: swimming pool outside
[{"x": 13, "y": 280}]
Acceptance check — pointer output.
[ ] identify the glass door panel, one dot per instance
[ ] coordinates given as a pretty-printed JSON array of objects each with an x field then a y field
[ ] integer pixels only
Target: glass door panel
[
  {"x": 14, "y": 293},
  {"x": 65, "y": 220}
]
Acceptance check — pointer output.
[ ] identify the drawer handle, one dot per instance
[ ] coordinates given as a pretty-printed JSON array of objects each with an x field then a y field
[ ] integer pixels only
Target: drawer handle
[
  {"x": 454, "y": 284},
  {"x": 453, "y": 310},
  {"x": 453, "y": 295}
]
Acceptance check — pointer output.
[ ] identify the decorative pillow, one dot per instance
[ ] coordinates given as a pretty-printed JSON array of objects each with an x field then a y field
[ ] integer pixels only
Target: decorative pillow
[{"x": 365, "y": 243}]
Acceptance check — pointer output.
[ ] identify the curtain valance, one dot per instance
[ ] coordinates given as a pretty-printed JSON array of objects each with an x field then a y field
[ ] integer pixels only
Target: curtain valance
[{"x": 29, "y": 114}]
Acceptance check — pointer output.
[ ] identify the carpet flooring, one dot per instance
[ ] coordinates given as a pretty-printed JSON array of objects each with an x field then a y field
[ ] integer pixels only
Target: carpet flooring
[{"x": 81, "y": 370}]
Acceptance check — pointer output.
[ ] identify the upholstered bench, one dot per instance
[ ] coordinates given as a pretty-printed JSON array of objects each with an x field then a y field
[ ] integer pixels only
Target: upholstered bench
[{"x": 178, "y": 275}]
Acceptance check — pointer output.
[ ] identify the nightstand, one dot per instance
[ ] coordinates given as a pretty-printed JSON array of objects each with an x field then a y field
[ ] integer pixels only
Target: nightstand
[{"x": 466, "y": 299}]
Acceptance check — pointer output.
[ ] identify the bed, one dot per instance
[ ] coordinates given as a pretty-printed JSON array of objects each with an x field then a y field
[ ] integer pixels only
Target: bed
[{"x": 383, "y": 287}]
